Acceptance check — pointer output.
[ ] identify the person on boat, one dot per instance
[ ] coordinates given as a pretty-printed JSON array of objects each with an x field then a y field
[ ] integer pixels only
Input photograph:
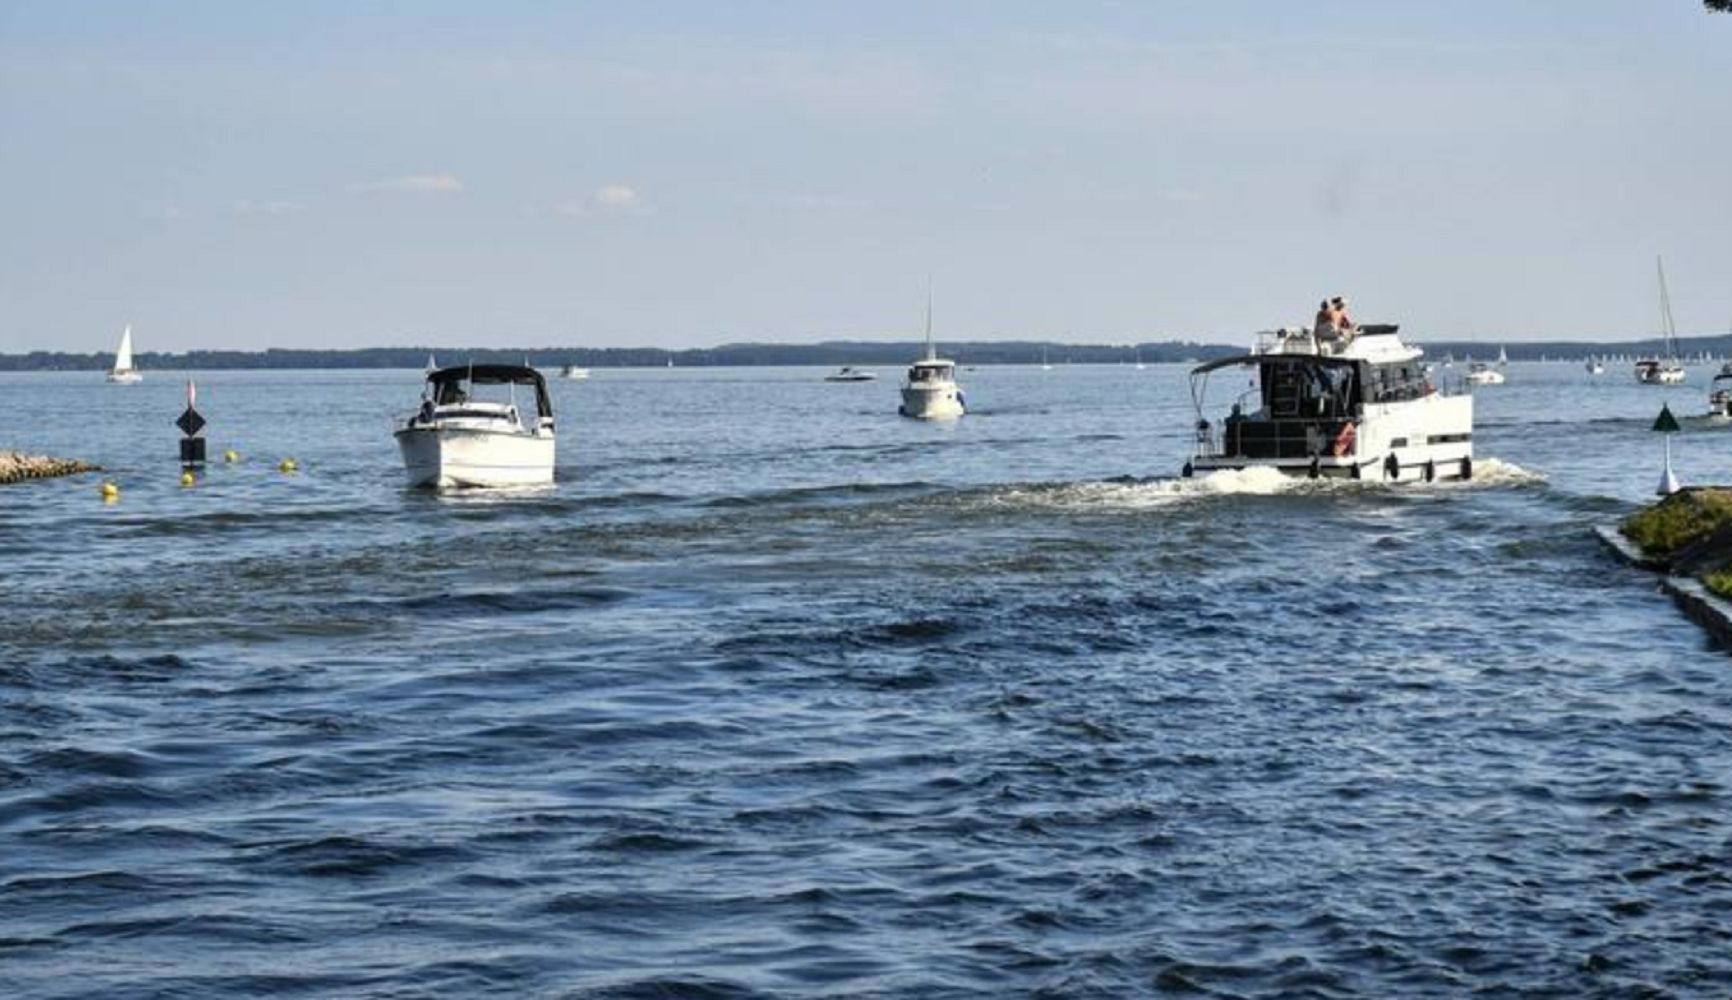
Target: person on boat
[
  {"x": 1324, "y": 325},
  {"x": 1343, "y": 322}
]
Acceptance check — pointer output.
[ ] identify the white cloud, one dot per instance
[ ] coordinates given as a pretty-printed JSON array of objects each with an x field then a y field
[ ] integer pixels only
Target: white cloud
[
  {"x": 609, "y": 199},
  {"x": 246, "y": 206},
  {"x": 411, "y": 184}
]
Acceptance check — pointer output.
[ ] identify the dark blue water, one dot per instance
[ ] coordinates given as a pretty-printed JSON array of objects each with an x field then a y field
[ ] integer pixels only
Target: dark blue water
[{"x": 776, "y": 694}]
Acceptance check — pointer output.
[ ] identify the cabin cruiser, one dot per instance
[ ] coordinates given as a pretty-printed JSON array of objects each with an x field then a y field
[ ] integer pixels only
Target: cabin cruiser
[
  {"x": 1480, "y": 373},
  {"x": 930, "y": 391},
  {"x": 1720, "y": 396},
  {"x": 846, "y": 374},
  {"x": 1596, "y": 366},
  {"x": 1357, "y": 408},
  {"x": 458, "y": 440},
  {"x": 573, "y": 371}
]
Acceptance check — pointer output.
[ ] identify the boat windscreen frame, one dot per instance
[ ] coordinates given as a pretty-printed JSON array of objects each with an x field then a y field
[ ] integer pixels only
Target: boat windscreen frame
[
  {"x": 493, "y": 375},
  {"x": 1200, "y": 374}
]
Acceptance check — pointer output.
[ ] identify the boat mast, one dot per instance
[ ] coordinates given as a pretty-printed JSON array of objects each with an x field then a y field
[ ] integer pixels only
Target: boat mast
[
  {"x": 1666, "y": 312},
  {"x": 931, "y": 355}
]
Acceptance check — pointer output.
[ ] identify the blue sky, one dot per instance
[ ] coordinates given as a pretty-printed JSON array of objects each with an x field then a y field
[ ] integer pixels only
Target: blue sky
[{"x": 685, "y": 174}]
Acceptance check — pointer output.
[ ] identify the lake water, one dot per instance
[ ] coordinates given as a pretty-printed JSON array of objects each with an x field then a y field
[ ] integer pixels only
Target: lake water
[{"x": 777, "y": 694}]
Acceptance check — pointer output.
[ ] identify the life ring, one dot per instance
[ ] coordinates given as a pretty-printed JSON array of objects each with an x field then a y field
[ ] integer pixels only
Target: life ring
[{"x": 1392, "y": 467}]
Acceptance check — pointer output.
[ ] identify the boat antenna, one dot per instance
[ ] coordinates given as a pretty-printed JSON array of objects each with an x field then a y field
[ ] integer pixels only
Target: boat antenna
[{"x": 931, "y": 355}]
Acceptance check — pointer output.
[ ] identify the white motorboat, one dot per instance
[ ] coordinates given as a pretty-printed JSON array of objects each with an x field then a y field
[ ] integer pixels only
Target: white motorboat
[
  {"x": 1666, "y": 370},
  {"x": 1596, "y": 366},
  {"x": 1720, "y": 396},
  {"x": 1358, "y": 409},
  {"x": 930, "y": 391},
  {"x": 573, "y": 371},
  {"x": 846, "y": 374},
  {"x": 458, "y": 440},
  {"x": 1480, "y": 373},
  {"x": 123, "y": 372}
]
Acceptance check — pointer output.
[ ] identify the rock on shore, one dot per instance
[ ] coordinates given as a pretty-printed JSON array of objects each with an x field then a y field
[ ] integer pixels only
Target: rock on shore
[
  {"x": 1690, "y": 534},
  {"x": 17, "y": 466}
]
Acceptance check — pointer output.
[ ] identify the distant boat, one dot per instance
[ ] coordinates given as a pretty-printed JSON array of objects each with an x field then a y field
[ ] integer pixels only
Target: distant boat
[
  {"x": 1596, "y": 366},
  {"x": 573, "y": 371},
  {"x": 123, "y": 373},
  {"x": 1043, "y": 365},
  {"x": 1140, "y": 365},
  {"x": 930, "y": 391},
  {"x": 1480, "y": 373},
  {"x": 1502, "y": 358},
  {"x": 846, "y": 374},
  {"x": 432, "y": 365},
  {"x": 1665, "y": 370}
]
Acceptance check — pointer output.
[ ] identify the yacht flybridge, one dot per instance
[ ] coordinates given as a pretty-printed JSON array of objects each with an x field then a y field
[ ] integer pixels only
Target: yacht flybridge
[
  {"x": 1358, "y": 408},
  {"x": 459, "y": 440}
]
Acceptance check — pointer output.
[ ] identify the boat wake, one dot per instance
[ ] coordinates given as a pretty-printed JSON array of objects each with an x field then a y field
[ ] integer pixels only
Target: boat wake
[{"x": 1487, "y": 472}]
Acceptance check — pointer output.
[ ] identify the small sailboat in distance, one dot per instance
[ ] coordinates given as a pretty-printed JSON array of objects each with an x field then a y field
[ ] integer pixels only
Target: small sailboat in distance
[
  {"x": 1667, "y": 370},
  {"x": 123, "y": 373}
]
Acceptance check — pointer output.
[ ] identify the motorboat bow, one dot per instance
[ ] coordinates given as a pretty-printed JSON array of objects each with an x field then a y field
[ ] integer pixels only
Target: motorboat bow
[{"x": 456, "y": 439}]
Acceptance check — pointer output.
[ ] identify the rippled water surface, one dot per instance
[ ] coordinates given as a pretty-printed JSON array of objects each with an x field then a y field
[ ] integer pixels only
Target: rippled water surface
[{"x": 776, "y": 694}]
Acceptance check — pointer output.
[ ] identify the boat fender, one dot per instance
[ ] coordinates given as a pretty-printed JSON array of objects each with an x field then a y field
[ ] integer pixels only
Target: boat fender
[
  {"x": 1316, "y": 468},
  {"x": 1188, "y": 471},
  {"x": 1353, "y": 471},
  {"x": 1430, "y": 471},
  {"x": 1392, "y": 467},
  {"x": 961, "y": 401},
  {"x": 1467, "y": 468}
]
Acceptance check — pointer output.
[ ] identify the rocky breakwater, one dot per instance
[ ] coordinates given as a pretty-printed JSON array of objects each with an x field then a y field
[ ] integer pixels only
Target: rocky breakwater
[
  {"x": 17, "y": 466},
  {"x": 1687, "y": 537}
]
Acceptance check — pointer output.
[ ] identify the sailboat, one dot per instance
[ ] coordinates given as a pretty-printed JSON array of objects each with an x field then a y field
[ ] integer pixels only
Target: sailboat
[
  {"x": 1044, "y": 366},
  {"x": 123, "y": 373},
  {"x": 1502, "y": 357},
  {"x": 930, "y": 391},
  {"x": 1666, "y": 370}
]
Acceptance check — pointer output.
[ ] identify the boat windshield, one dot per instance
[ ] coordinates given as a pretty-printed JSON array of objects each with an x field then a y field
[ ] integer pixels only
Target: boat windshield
[{"x": 498, "y": 384}]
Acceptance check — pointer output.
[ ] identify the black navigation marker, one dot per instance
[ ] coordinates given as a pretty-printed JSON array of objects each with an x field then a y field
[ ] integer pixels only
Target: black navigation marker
[{"x": 190, "y": 423}]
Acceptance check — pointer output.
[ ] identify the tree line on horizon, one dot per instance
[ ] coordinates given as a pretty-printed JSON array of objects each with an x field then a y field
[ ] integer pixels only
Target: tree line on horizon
[{"x": 827, "y": 354}]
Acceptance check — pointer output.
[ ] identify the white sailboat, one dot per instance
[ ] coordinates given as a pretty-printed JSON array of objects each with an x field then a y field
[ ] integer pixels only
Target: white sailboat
[
  {"x": 123, "y": 373},
  {"x": 930, "y": 391},
  {"x": 1665, "y": 370}
]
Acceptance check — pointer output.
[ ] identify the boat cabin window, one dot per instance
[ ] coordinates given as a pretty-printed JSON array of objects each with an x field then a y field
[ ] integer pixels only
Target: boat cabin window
[{"x": 1395, "y": 382}]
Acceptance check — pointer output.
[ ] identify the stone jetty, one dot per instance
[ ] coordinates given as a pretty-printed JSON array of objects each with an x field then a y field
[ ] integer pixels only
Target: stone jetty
[
  {"x": 1687, "y": 539},
  {"x": 17, "y": 467}
]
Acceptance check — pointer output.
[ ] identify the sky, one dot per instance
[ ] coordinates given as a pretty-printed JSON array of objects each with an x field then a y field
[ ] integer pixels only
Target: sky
[{"x": 685, "y": 174}]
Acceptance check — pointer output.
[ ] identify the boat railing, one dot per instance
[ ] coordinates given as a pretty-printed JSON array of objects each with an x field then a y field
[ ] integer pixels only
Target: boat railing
[{"x": 1256, "y": 438}]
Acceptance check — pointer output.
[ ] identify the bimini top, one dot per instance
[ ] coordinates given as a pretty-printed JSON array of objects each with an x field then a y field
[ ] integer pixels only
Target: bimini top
[{"x": 447, "y": 383}]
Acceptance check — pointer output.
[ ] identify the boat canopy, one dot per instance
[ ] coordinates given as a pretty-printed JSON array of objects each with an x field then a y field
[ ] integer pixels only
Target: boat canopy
[
  {"x": 1262, "y": 358},
  {"x": 448, "y": 382}
]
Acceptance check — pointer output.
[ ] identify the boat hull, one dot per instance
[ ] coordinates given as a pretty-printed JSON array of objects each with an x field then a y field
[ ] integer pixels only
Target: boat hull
[
  {"x": 458, "y": 458},
  {"x": 938, "y": 402},
  {"x": 125, "y": 378},
  {"x": 1413, "y": 441}
]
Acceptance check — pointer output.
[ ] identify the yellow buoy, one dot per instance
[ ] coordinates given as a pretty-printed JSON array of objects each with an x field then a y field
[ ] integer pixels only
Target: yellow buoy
[
  {"x": 186, "y": 479},
  {"x": 286, "y": 465},
  {"x": 231, "y": 455},
  {"x": 110, "y": 492}
]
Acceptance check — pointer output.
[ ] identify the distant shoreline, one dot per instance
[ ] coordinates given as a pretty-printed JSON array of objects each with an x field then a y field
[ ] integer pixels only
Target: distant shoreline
[{"x": 829, "y": 353}]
